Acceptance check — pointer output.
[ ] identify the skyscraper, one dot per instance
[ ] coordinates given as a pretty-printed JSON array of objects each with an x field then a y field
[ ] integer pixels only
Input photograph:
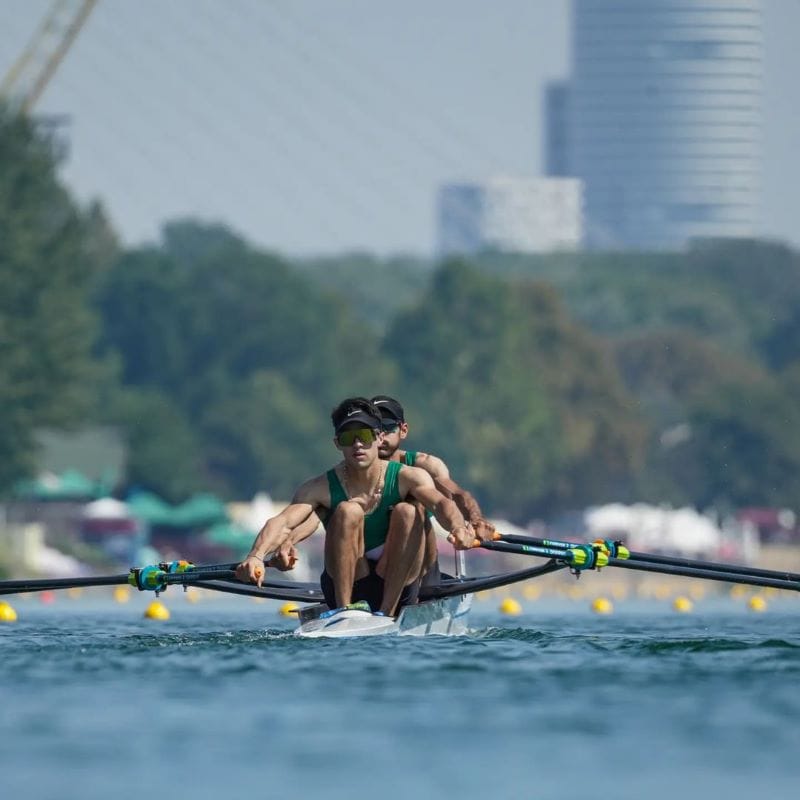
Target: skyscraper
[{"x": 664, "y": 115}]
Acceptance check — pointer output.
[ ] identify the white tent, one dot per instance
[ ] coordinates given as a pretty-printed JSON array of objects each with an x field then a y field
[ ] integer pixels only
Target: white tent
[
  {"x": 650, "y": 528},
  {"x": 106, "y": 508}
]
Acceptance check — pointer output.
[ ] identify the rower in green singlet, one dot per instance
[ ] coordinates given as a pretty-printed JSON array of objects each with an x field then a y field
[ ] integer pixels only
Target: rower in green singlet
[
  {"x": 395, "y": 430},
  {"x": 374, "y": 548}
]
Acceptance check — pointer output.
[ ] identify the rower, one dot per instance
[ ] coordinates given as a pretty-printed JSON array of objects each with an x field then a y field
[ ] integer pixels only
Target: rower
[
  {"x": 374, "y": 542},
  {"x": 395, "y": 430}
]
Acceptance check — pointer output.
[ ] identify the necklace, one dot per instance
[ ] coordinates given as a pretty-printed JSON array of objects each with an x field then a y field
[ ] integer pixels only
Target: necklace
[{"x": 373, "y": 495}]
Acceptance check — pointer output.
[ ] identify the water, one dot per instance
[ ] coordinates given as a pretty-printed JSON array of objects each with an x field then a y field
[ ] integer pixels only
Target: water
[{"x": 221, "y": 701}]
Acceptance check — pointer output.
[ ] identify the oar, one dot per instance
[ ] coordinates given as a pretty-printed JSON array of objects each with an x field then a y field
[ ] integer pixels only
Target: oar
[
  {"x": 619, "y": 551},
  {"x": 276, "y": 591},
  {"x": 28, "y": 585},
  {"x": 579, "y": 556},
  {"x": 153, "y": 578},
  {"x": 567, "y": 557}
]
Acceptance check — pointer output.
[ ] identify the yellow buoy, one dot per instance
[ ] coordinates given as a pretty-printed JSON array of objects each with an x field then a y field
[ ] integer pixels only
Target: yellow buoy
[
  {"x": 288, "y": 609},
  {"x": 7, "y": 613},
  {"x": 192, "y": 594},
  {"x": 602, "y": 605},
  {"x": 156, "y": 610},
  {"x": 757, "y": 603},
  {"x": 511, "y": 607},
  {"x": 122, "y": 594},
  {"x": 74, "y": 592},
  {"x": 683, "y": 605}
]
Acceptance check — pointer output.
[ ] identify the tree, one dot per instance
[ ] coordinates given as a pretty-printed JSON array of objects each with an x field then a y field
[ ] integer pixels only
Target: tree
[
  {"x": 51, "y": 251},
  {"x": 523, "y": 405},
  {"x": 204, "y": 317},
  {"x": 746, "y": 446}
]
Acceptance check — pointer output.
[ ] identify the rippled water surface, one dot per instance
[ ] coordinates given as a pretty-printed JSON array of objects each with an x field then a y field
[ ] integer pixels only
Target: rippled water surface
[{"x": 221, "y": 701}]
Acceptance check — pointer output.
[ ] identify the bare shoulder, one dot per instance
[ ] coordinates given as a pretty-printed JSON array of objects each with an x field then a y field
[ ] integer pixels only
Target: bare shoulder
[
  {"x": 433, "y": 465},
  {"x": 314, "y": 491},
  {"x": 411, "y": 477}
]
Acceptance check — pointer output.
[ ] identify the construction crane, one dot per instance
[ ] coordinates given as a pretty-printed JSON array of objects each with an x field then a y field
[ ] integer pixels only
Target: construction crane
[{"x": 26, "y": 80}]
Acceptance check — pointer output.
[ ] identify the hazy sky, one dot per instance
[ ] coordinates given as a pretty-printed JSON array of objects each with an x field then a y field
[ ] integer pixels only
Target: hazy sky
[{"x": 322, "y": 125}]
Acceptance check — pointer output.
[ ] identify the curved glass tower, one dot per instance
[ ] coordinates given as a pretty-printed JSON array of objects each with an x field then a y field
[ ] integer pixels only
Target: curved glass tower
[{"x": 665, "y": 115}]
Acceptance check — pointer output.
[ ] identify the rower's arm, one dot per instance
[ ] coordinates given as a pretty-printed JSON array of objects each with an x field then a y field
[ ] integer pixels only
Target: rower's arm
[
  {"x": 419, "y": 484},
  {"x": 465, "y": 501},
  {"x": 301, "y": 532},
  {"x": 278, "y": 530}
]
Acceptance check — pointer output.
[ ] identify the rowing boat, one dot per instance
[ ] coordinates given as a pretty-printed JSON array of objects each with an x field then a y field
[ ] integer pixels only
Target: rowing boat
[{"x": 446, "y": 616}]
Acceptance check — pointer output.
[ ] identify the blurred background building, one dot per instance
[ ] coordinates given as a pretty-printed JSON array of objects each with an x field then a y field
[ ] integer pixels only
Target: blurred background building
[
  {"x": 510, "y": 214},
  {"x": 661, "y": 120}
]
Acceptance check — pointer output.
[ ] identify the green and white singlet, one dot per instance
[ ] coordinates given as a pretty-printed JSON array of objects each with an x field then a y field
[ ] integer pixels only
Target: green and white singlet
[{"x": 376, "y": 523}]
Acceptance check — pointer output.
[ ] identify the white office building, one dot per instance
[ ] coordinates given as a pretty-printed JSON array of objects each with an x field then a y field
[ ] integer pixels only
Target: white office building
[
  {"x": 664, "y": 119},
  {"x": 510, "y": 214}
]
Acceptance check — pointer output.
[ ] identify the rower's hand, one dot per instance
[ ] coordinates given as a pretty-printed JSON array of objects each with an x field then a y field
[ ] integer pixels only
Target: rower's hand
[
  {"x": 462, "y": 537},
  {"x": 251, "y": 570},
  {"x": 484, "y": 530},
  {"x": 285, "y": 558}
]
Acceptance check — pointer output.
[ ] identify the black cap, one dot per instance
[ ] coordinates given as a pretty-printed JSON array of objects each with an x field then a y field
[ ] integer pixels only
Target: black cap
[
  {"x": 356, "y": 409},
  {"x": 390, "y": 409}
]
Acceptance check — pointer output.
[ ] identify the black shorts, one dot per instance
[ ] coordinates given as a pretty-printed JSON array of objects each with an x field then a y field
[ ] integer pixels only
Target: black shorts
[{"x": 369, "y": 588}]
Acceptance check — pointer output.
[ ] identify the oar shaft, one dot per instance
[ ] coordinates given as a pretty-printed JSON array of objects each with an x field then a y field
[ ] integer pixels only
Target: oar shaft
[
  {"x": 46, "y": 584},
  {"x": 706, "y": 574},
  {"x": 200, "y": 574},
  {"x": 735, "y": 569},
  {"x": 23, "y": 585},
  {"x": 650, "y": 566},
  {"x": 525, "y": 549}
]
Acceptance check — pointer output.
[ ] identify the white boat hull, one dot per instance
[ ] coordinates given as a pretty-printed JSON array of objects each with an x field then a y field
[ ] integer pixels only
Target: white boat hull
[{"x": 444, "y": 617}]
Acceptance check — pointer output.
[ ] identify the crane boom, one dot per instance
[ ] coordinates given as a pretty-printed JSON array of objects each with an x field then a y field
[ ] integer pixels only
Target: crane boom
[{"x": 30, "y": 73}]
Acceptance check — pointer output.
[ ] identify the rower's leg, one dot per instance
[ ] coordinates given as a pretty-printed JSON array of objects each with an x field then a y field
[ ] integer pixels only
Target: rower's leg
[
  {"x": 344, "y": 550},
  {"x": 431, "y": 574},
  {"x": 403, "y": 554},
  {"x": 431, "y": 551}
]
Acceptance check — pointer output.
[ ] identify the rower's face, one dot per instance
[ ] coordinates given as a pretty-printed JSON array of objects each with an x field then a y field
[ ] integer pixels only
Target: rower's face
[
  {"x": 393, "y": 434},
  {"x": 359, "y": 445}
]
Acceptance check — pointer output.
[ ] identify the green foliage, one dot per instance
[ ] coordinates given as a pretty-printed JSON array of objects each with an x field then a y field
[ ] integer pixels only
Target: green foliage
[
  {"x": 375, "y": 289},
  {"x": 545, "y": 381},
  {"x": 264, "y": 433},
  {"x": 50, "y": 252},
  {"x": 164, "y": 452},
  {"x": 746, "y": 446},
  {"x": 535, "y": 417},
  {"x": 667, "y": 370},
  {"x": 235, "y": 338}
]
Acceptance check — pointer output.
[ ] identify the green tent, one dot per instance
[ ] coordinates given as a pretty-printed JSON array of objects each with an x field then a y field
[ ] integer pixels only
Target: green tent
[
  {"x": 69, "y": 485},
  {"x": 150, "y": 508},
  {"x": 229, "y": 534},
  {"x": 200, "y": 510}
]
